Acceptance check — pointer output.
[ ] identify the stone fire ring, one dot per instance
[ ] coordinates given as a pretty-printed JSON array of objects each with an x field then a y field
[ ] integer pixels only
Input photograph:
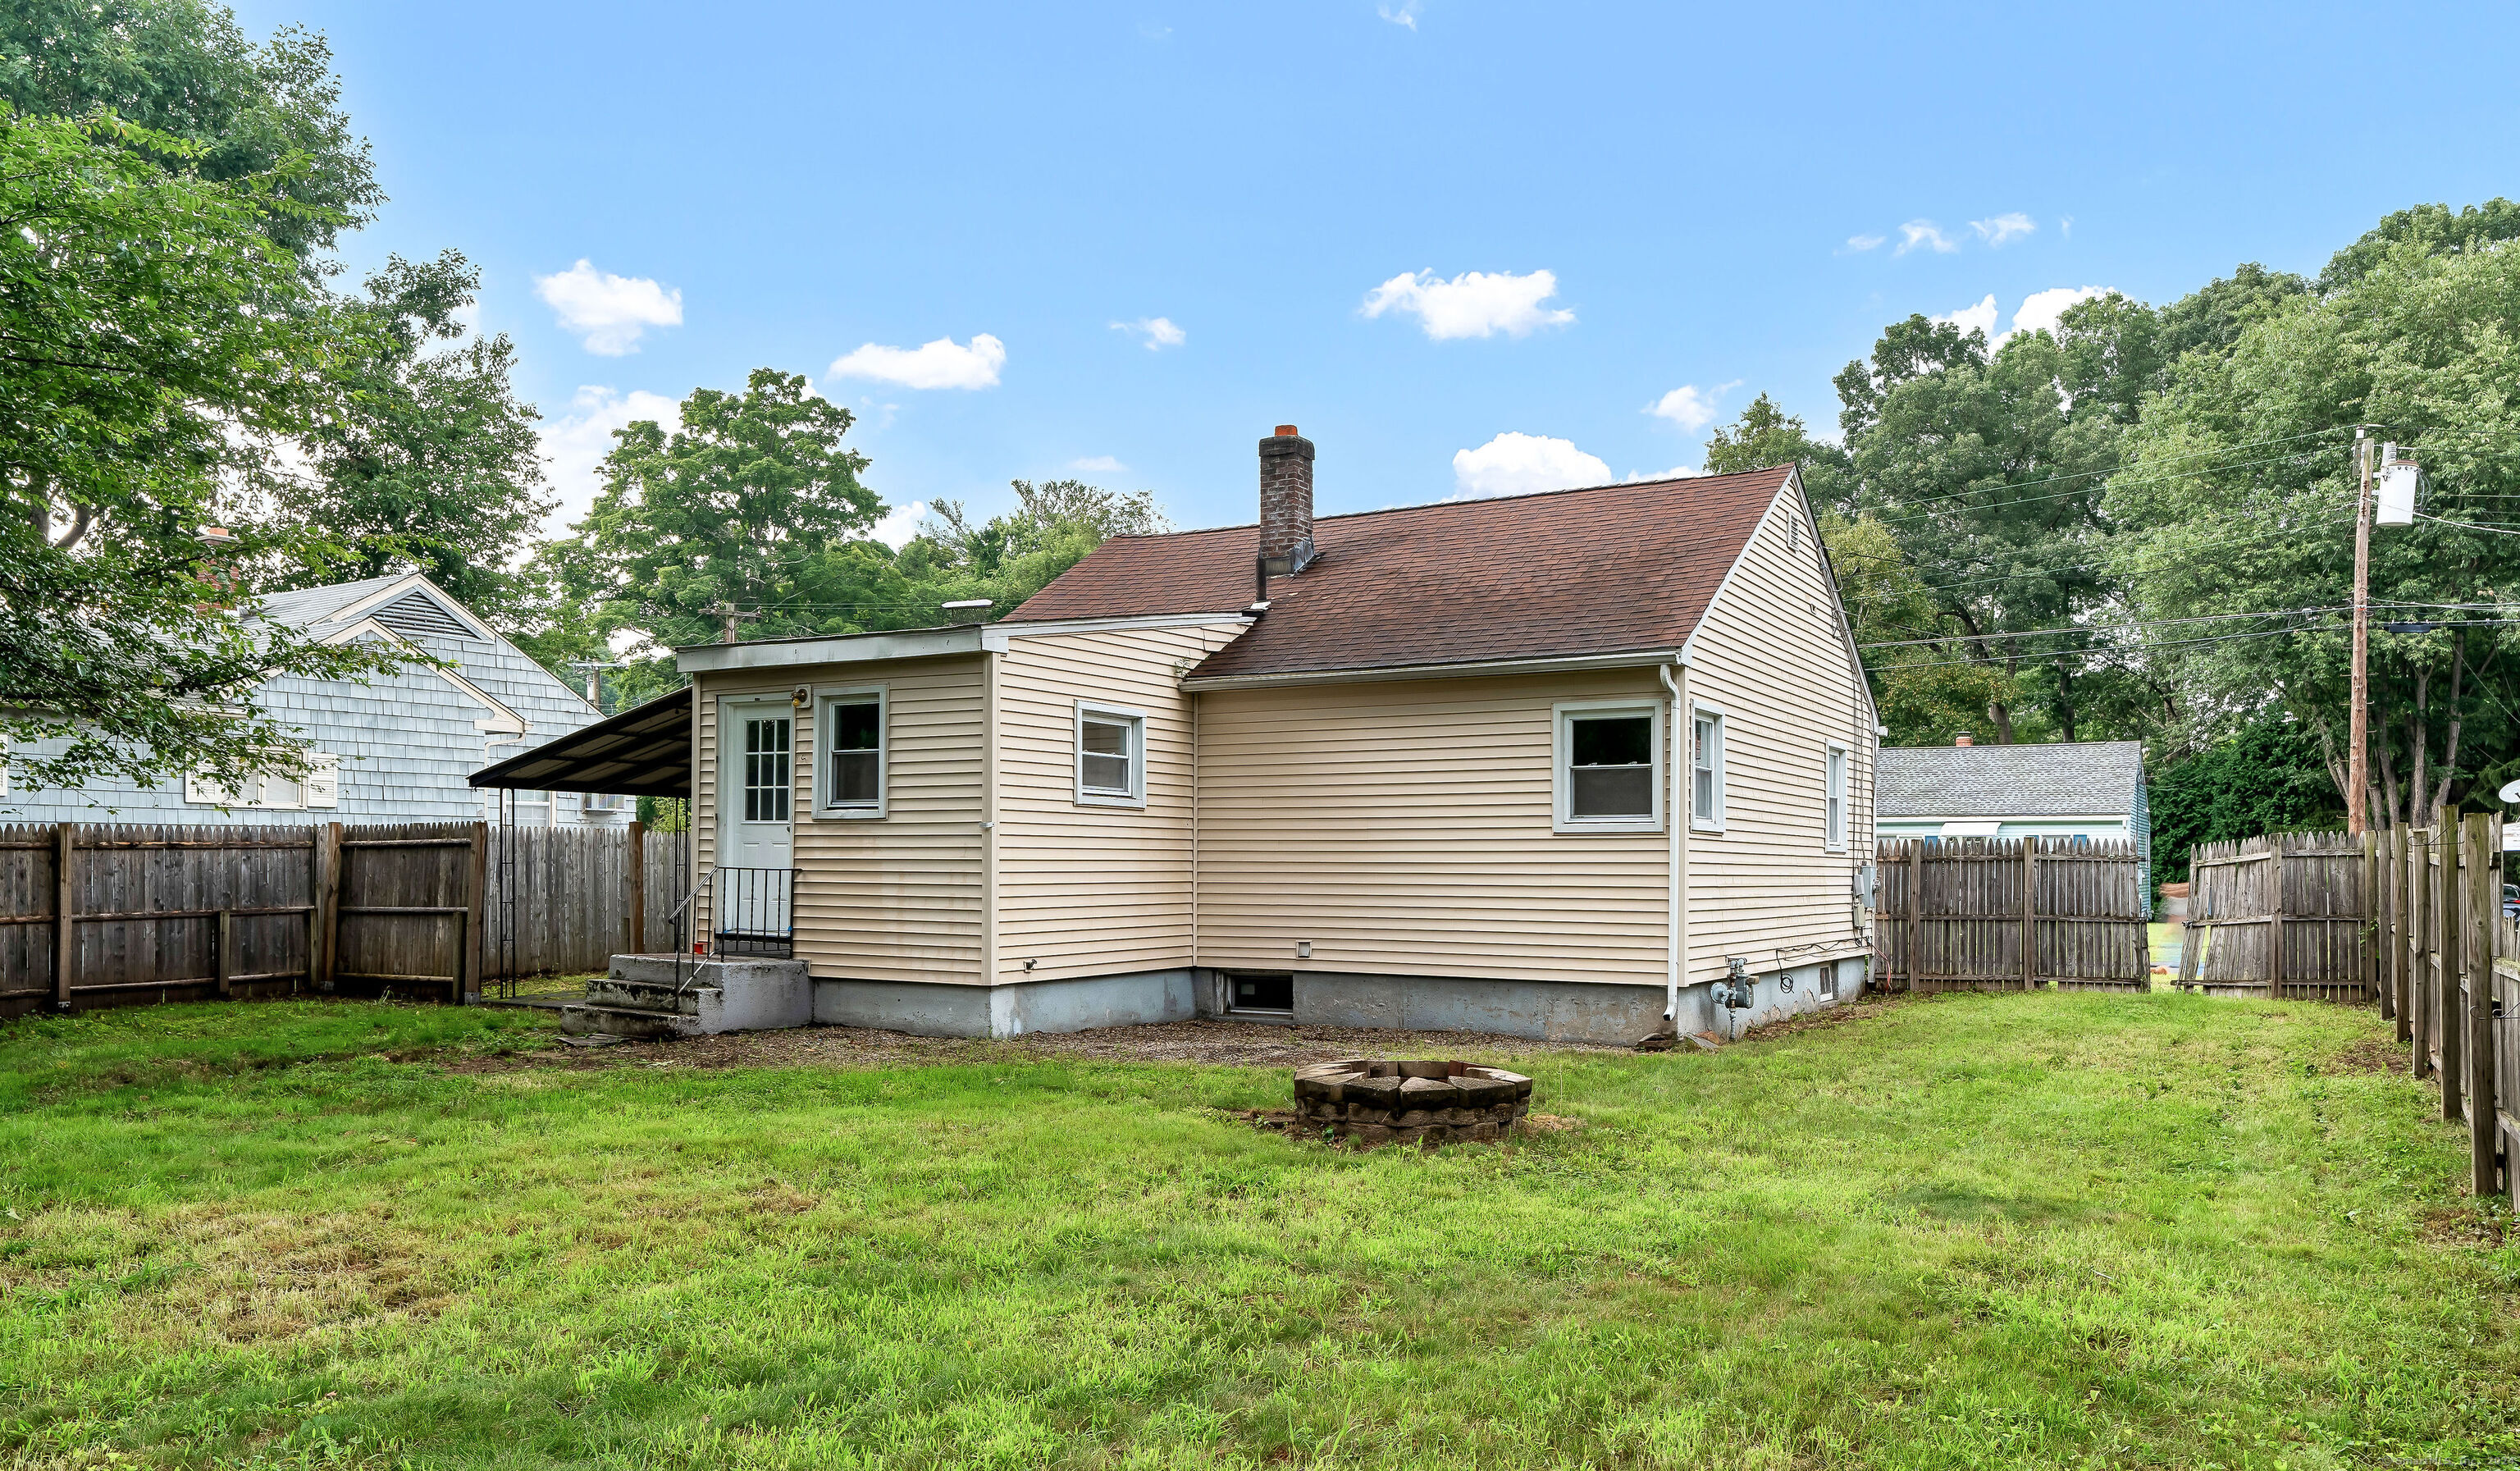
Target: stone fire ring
[{"x": 1377, "y": 1102}]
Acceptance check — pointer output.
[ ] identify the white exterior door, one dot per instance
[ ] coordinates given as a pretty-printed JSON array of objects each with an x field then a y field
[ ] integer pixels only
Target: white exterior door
[{"x": 756, "y": 797}]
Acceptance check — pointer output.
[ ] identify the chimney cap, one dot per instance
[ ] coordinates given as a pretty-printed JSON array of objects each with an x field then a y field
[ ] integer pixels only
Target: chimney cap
[
  {"x": 215, "y": 536},
  {"x": 1286, "y": 431}
]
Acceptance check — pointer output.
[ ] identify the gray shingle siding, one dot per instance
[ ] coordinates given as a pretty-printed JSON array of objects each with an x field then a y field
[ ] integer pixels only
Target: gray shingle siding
[{"x": 408, "y": 741}]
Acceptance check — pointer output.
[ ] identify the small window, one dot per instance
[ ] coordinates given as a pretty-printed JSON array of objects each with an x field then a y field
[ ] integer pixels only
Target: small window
[
  {"x": 766, "y": 778},
  {"x": 1260, "y": 993},
  {"x": 1833, "y": 823},
  {"x": 1609, "y": 768},
  {"x": 1111, "y": 756},
  {"x": 1706, "y": 770},
  {"x": 853, "y": 754},
  {"x": 1828, "y": 980}
]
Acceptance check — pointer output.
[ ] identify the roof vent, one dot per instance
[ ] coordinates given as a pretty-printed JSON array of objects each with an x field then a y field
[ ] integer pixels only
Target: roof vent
[
  {"x": 417, "y": 614},
  {"x": 968, "y": 609}
]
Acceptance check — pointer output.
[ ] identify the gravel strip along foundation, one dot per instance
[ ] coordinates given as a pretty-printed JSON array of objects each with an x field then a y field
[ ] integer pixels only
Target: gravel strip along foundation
[{"x": 1374, "y": 1103}]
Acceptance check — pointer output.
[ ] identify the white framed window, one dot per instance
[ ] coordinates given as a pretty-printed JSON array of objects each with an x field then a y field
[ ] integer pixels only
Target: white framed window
[
  {"x": 1706, "y": 769},
  {"x": 269, "y": 791},
  {"x": 1609, "y": 765},
  {"x": 853, "y": 740},
  {"x": 1834, "y": 817},
  {"x": 1111, "y": 756}
]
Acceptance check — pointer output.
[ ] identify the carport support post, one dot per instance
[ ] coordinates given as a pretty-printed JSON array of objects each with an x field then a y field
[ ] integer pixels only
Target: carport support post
[
  {"x": 638, "y": 887},
  {"x": 64, "y": 889},
  {"x": 2485, "y": 909},
  {"x": 469, "y": 947}
]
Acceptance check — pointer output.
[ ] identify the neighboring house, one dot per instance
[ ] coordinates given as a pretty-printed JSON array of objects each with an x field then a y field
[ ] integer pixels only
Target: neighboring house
[
  {"x": 2082, "y": 788},
  {"x": 1546, "y": 764},
  {"x": 394, "y": 749}
]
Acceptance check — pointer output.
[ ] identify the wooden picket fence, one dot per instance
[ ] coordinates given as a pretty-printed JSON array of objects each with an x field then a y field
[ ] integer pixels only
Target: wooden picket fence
[
  {"x": 2280, "y": 915},
  {"x": 2012, "y": 915},
  {"x": 97, "y": 914}
]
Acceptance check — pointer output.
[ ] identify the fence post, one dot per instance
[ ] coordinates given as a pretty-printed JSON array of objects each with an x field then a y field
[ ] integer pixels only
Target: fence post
[
  {"x": 2450, "y": 940},
  {"x": 328, "y": 909},
  {"x": 65, "y": 908},
  {"x": 468, "y": 936},
  {"x": 227, "y": 952},
  {"x": 638, "y": 887},
  {"x": 2030, "y": 914},
  {"x": 2485, "y": 912},
  {"x": 1916, "y": 909}
]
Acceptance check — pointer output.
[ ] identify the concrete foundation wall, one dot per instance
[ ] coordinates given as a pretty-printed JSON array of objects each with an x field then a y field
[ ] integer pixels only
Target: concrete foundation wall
[
  {"x": 927, "y": 1010},
  {"x": 1544, "y": 1011},
  {"x": 1774, "y": 996}
]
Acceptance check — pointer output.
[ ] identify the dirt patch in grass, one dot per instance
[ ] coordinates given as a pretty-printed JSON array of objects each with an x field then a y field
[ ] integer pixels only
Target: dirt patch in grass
[
  {"x": 1831, "y": 1016},
  {"x": 2372, "y": 1054},
  {"x": 1286, "y": 1122},
  {"x": 1236, "y": 1044},
  {"x": 2461, "y": 1225}
]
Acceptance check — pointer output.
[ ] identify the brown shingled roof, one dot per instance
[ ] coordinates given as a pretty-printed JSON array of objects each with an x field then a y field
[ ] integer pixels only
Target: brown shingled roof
[{"x": 1616, "y": 568}]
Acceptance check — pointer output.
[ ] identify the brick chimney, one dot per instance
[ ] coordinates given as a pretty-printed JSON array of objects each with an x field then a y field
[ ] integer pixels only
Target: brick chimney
[
  {"x": 1286, "y": 501},
  {"x": 1962, "y": 740}
]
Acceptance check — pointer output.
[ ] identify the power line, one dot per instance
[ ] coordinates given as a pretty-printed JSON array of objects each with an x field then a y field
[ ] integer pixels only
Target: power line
[
  {"x": 2040, "y": 633},
  {"x": 2085, "y": 475},
  {"x": 2262, "y": 633}
]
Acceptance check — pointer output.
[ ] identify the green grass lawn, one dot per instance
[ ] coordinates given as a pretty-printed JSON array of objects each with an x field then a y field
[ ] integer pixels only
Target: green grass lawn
[{"x": 2007, "y": 1230}]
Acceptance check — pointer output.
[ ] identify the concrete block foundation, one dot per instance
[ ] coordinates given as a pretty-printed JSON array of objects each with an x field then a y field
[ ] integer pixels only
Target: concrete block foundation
[{"x": 931, "y": 1009}]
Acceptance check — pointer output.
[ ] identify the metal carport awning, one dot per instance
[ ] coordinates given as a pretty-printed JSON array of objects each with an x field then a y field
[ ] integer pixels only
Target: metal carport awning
[{"x": 642, "y": 752}]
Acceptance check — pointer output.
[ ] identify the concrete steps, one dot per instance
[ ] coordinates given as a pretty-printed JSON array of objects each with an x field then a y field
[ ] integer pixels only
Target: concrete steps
[{"x": 655, "y": 995}]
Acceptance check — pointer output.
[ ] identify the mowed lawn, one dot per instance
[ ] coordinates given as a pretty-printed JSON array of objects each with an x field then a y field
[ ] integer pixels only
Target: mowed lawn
[{"x": 2012, "y": 1231}]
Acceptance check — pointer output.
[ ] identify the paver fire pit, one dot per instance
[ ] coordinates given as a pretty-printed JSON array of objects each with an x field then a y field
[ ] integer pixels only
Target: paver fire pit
[{"x": 1375, "y": 1102}]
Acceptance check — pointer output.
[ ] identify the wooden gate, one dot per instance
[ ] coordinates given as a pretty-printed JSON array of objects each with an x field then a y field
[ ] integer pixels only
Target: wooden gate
[
  {"x": 2012, "y": 915},
  {"x": 2279, "y": 915}
]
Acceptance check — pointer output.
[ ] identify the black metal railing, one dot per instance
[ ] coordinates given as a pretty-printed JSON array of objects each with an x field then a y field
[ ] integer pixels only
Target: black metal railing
[{"x": 752, "y": 912}]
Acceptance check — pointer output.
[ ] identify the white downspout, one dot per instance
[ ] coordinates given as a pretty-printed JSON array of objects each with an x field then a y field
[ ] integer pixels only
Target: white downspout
[{"x": 1676, "y": 823}]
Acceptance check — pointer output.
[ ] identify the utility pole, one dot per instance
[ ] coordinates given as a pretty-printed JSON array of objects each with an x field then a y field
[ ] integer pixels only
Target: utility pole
[
  {"x": 726, "y": 622},
  {"x": 594, "y": 679},
  {"x": 2357, "y": 771}
]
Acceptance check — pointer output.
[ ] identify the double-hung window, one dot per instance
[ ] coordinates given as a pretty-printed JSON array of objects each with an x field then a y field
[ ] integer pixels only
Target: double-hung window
[
  {"x": 1609, "y": 766},
  {"x": 1706, "y": 769},
  {"x": 852, "y": 736},
  {"x": 1834, "y": 817},
  {"x": 1111, "y": 756}
]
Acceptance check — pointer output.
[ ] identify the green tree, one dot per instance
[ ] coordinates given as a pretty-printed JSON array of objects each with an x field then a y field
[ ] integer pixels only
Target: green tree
[
  {"x": 739, "y": 510},
  {"x": 2238, "y": 492},
  {"x": 183, "y": 69},
  {"x": 2269, "y": 775},
  {"x": 155, "y": 347},
  {"x": 2431, "y": 229},
  {"x": 433, "y": 462},
  {"x": 1766, "y": 435}
]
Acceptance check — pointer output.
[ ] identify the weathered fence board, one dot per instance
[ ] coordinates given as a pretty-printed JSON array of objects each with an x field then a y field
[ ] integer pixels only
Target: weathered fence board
[
  {"x": 170, "y": 912},
  {"x": 2280, "y": 915},
  {"x": 2012, "y": 915}
]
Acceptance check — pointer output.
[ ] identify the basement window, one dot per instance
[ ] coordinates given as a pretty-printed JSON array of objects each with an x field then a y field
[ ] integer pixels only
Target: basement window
[
  {"x": 1111, "y": 756},
  {"x": 1609, "y": 766},
  {"x": 1260, "y": 993}
]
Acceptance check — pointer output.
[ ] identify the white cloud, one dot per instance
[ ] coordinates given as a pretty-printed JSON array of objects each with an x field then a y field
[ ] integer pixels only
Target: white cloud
[
  {"x": 1979, "y": 318},
  {"x": 574, "y": 443},
  {"x": 1474, "y": 305},
  {"x": 899, "y": 525},
  {"x": 2065, "y": 227},
  {"x": 610, "y": 312},
  {"x": 1513, "y": 464},
  {"x": 1865, "y": 242},
  {"x": 1926, "y": 233},
  {"x": 1406, "y": 15},
  {"x": 2004, "y": 229},
  {"x": 2041, "y": 309},
  {"x": 1157, "y": 333},
  {"x": 1107, "y": 464},
  {"x": 941, "y": 364},
  {"x": 1676, "y": 472},
  {"x": 1691, "y": 407}
]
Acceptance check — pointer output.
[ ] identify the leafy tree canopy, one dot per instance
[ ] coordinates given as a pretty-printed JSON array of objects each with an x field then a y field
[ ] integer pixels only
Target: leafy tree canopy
[
  {"x": 183, "y": 69},
  {"x": 156, "y": 345}
]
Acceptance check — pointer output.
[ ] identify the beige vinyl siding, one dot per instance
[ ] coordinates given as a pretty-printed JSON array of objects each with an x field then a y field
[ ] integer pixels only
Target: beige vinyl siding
[
  {"x": 1405, "y": 829},
  {"x": 1086, "y": 889},
  {"x": 896, "y": 898},
  {"x": 1771, "y": 655}
]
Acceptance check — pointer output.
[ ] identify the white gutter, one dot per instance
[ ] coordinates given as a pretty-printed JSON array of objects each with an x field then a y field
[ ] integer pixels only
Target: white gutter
[
  {"x": 1676, "y": 826},
  {"x": 1637, "y": 659}
]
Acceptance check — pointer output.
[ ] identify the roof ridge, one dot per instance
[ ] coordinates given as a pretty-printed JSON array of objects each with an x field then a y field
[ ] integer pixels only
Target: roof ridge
[{"x": 1465, "y": 501}]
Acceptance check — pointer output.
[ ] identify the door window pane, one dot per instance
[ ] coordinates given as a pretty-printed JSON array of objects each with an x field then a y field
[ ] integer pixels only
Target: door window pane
[
  {"x": 1611, "y": 761},
  {"x": 765, "y": 769}
]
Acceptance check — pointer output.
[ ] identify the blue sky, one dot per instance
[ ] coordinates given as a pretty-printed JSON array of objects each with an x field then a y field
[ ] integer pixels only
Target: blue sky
[{"x": 1340, "y": 213}]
